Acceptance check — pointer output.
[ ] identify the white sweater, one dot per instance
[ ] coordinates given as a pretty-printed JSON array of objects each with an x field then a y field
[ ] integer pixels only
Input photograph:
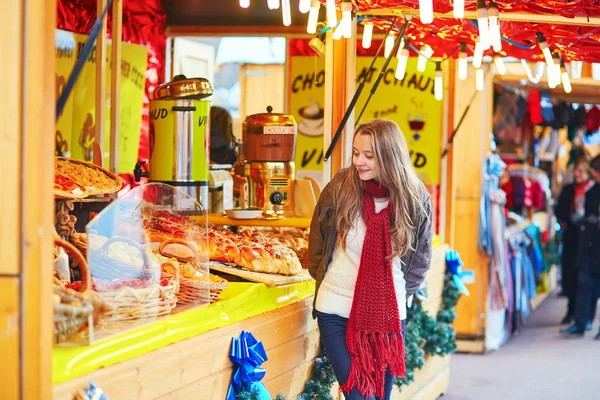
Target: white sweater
[{"x": 337, "y": 289}]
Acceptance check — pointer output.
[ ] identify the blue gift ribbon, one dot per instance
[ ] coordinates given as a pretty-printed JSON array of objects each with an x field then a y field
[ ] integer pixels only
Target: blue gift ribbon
[
  {"x": 247, "y": 354},
  {"x": 454, "y": 266}
]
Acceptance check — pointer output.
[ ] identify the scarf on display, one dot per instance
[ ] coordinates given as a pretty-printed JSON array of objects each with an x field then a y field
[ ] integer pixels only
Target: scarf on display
[
  {"x": 579, "y": 199},
  {"x": 374, "y": 335}
]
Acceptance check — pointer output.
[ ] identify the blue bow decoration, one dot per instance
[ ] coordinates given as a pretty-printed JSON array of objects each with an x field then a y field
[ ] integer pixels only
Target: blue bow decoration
[
  {"x": 454, "y": 266},
  {"x": 247, "y": 354},
  {"x": 92, "y": 392}
]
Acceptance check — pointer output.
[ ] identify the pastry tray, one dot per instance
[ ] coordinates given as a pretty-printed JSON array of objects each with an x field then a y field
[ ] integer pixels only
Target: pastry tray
[{"x": 260, "y": 277}]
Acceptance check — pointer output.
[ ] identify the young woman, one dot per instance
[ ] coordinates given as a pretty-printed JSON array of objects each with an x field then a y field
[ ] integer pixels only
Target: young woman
[
  {"x": 369, "y": 250},
  {"x": 587, "y": 254},
  {"x": 569, "y": 211}
]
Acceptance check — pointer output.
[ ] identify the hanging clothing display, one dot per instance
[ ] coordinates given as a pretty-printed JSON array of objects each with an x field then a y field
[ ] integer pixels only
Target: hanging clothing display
[
  {"x": 516, "y": 263},
  {"x": 492, "y": 223}
]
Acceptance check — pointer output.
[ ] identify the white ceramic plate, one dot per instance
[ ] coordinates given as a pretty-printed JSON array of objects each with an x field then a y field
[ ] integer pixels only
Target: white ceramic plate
[{"x": 241, "y": 213}]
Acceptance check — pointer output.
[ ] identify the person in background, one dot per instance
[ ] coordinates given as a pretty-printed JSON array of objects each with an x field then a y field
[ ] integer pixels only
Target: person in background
[
  {"x": 595, "y": 166},
  {"x": 222, "y": 140},
  {"x": 569, "y": 211},
  {"x": 369, "y": 249},
  {"x": 587, "y": 258}
]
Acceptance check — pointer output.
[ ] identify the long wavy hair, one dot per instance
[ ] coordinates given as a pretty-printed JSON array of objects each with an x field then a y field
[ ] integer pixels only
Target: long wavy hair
[{"x": 396, "y": 172}]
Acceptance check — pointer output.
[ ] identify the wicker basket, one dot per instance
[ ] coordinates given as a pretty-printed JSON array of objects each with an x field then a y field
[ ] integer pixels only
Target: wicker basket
[
  {"x": 135, "y": 303},
  {"x": 111, "y": 269},
  {"x": 76, "y": 311},
  {"x": 193, "y": 291}
]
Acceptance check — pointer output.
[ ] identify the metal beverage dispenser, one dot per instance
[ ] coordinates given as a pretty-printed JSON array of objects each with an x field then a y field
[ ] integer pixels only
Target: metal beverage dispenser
[{"x": 179, "y": 136}]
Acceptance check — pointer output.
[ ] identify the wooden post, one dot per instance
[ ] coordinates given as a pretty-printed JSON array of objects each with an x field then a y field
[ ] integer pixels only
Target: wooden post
[
  {"x": 100, "y": 87},
  {"x": 468, "y": 153},
  {"x": 343, "y": 78},
  {"x": 26, "y": 209},
  {"x": 447, "y": 202},
  {"x": 115, "y": 84}
]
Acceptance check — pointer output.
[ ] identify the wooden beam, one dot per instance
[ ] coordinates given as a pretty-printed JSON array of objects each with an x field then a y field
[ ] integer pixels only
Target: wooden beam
[
  {"x": 504, "y": 16},
  {"x": 100, "y": 85},
  {"x": 37, "y": 214},
  {"x": 198, "y": 30},
  {"x": 115, "y": 84},
  {"x": 446, "y": 174}
]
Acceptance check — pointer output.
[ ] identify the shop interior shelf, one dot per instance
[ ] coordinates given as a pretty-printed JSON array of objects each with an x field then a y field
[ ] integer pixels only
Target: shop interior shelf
[{"x": 222, "y": 220}]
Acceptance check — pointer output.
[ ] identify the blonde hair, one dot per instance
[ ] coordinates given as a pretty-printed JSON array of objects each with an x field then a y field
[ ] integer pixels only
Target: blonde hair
[{"x": 396, "y": 172}]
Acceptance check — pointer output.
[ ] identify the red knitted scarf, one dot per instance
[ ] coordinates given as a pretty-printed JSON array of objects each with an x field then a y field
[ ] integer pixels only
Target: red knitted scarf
[{"x": 374, "y": 335}]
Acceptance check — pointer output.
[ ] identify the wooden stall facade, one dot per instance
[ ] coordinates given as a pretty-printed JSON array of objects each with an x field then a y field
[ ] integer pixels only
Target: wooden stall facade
[{"x": 26, "y": 204}]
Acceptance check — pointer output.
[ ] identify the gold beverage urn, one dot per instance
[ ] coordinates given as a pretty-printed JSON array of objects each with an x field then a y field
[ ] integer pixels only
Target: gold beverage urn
[{"x": 269, "y": 147}]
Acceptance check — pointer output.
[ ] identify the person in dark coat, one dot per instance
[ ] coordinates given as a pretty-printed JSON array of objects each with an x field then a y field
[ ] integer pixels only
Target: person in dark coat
[
  {"x": 587, "y": 258},
  {"x": 222, "y": 140},
  {"x": 569, "y": 210}
]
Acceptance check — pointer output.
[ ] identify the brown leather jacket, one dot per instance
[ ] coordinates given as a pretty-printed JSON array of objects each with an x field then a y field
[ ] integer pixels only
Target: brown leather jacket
[{"x": 323, "y": 237}]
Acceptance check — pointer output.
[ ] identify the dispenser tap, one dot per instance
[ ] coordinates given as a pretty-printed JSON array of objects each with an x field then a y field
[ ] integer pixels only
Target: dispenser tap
[{"x": 137, "y": 171}]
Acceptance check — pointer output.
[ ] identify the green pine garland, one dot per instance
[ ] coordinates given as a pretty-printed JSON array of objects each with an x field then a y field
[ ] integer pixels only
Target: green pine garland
[
  {"x": 428, "y": 335},
  {"x": 424, "y": 335}
]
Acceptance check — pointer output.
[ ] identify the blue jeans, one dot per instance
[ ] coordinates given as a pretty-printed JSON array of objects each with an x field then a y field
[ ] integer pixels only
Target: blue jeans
[{"x": 333, "y": 339}]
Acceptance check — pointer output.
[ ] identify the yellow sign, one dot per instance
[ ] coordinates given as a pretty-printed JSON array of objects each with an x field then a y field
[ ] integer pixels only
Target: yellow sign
[
  {"x": 64, "y": 63},
  {"x": 307, "y": 94},
  {"x": 79, "y": 134},
  {"x": 410, "y": 103}
]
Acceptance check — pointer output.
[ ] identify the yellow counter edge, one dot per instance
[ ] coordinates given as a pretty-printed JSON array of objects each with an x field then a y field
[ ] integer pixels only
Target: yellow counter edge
[{"x": 239, "y": 301}]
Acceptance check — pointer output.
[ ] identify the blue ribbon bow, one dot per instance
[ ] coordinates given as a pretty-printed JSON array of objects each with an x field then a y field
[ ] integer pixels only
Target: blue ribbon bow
[
  {"x": 247, "y": 354},
  {"x": 454, "y": 266}
]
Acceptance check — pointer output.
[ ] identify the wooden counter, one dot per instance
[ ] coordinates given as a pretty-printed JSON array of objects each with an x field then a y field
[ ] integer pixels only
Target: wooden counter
[{"x": 199, "y": 367}]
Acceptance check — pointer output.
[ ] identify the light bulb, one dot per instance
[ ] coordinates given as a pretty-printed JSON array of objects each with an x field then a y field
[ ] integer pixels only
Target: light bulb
[
  {"x": 484, "y": 29},
  {"x": 244, "y": 3},
  {"x": 544, "y": 47},
  {"x": 286, "y": 12},
  {"x": 462, "y": 62},
  {"x": 500, "y": 65},
  {"x": 566, "y": 82},
  {"x": 478, "y": 54},
  {"x": 438, "y": 88},
  {"x": 367, "y": 35},
  {"x": 400, "y": 48},
  {"x": 402, "y": 61},
  {"x": 389, "y": 44},
  {"x": 426, "y": 11},
  {"x": 551, "y": 76},
  {"x": 273, "y": 4},
  {"x": 459, "y": 8},
  {"x": 424, "y": 53},
  {"x": 347, "y": 19},
  {"x": 304, "y": 6},
  {"x": 338, "y": 32},
  {"x": 331, "y": 16},
  {"x": 494, "y": 26},
  {"x": 313, "y": 17},
  {"x": 576, "y": 67},
  {"x": 479, "y": 81}
]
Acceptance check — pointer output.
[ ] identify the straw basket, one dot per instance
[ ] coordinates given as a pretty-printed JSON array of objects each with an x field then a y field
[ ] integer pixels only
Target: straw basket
[
  {"x": 76, "y": 310},
  {"x": 129, "y": 302},
  {"x": 192, "y": 291},
  {"x": 111, "y": 269}
]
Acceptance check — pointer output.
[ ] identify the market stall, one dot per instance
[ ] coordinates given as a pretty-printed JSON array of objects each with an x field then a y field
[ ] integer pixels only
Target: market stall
[{"x": 171, "y": 335}]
